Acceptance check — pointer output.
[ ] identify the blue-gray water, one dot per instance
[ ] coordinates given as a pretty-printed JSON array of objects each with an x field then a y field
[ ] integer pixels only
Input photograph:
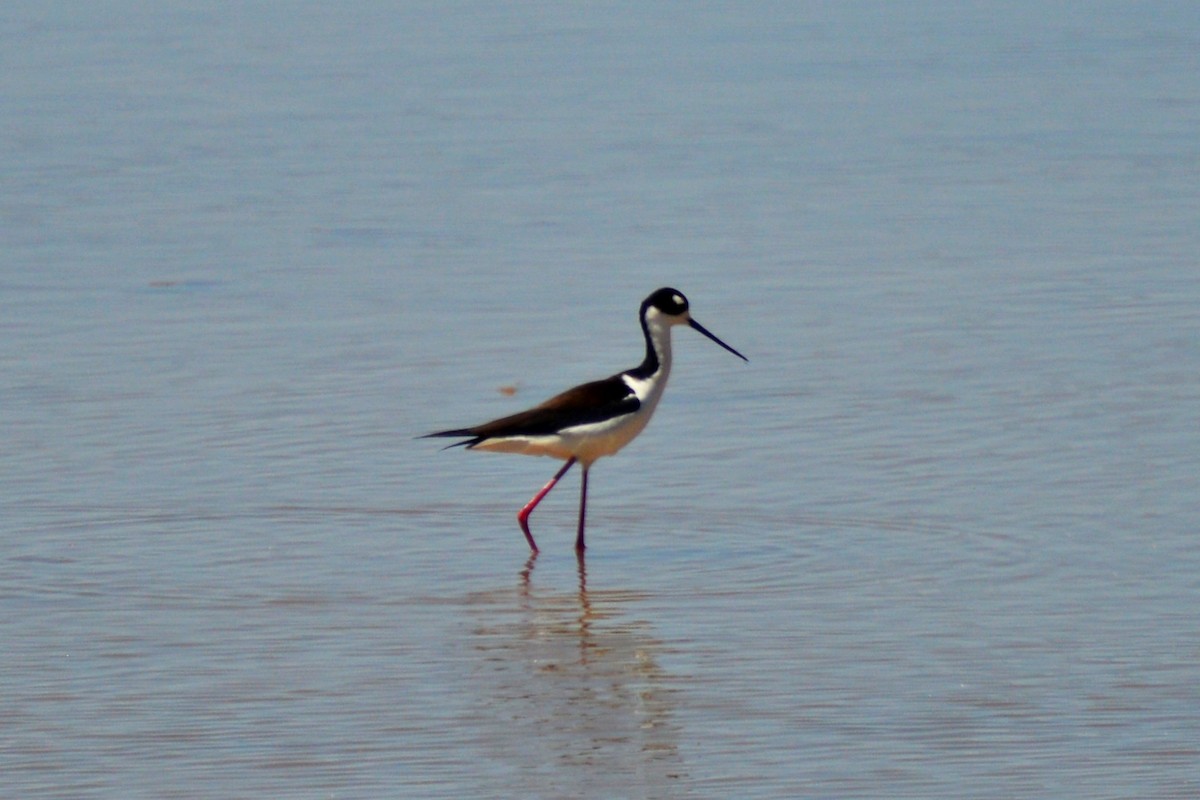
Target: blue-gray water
[{"x": 940, "y": 538}]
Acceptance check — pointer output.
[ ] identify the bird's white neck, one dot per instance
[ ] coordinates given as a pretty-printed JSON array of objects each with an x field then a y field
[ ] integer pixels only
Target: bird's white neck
[
  {"x": 657, "y": 364},
  {"x": 649, "y": 379}
]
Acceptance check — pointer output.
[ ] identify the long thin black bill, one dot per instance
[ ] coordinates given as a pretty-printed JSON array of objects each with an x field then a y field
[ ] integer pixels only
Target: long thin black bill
[{"x": 706, "y": 332}]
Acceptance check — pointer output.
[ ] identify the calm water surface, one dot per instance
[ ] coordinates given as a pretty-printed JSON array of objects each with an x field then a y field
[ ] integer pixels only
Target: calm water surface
[{"x": 939, "y": 538}]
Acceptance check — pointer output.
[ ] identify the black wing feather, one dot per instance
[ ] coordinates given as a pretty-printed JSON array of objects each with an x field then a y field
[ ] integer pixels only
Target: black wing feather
[{"x": 586, "y": 403}]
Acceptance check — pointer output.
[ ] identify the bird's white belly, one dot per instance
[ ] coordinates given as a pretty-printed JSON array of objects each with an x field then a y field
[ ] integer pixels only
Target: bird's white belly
[
  {"x": 584, "y": 442},
  {"x": 589, "y": 442}
]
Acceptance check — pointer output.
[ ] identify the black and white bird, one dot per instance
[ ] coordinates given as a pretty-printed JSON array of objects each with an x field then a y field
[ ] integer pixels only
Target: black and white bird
[{"x": 593, "y": 419}]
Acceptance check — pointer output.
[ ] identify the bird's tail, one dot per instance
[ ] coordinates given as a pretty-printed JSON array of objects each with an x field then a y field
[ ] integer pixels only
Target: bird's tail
[{"x": 469, "y": 438}]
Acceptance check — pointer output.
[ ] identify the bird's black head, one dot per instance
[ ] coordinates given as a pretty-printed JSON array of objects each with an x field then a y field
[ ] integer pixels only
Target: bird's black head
[
  {"x": 669, "y": 301},
  {"x": 667, "y": 308}
]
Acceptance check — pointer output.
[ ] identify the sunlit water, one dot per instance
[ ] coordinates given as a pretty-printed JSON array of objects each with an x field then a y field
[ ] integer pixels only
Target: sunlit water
[{"x": 937, "y": 539}]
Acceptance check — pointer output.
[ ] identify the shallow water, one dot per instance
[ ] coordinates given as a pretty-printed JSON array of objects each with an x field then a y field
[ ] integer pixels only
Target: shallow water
[{"x": 937, "y": 538}]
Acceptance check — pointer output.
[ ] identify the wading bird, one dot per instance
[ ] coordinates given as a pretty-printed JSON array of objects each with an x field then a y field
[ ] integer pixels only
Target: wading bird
[{"x": 593, "y": 419}]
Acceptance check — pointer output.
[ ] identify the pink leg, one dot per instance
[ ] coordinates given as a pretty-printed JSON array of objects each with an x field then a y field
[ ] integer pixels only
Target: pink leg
[
  {"x": 579, "y": 545},
  {"x": 523, "y": 514}
]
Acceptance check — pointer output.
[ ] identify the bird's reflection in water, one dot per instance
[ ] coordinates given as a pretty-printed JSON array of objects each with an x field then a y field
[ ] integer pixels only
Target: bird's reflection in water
[{"x": 576, "y": 700}]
